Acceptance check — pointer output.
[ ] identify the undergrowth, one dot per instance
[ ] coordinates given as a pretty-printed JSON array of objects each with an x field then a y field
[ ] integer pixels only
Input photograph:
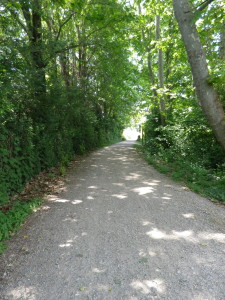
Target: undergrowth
[
  {"x": 11, "y": 220},
  {"x": 205, "y": 181}
]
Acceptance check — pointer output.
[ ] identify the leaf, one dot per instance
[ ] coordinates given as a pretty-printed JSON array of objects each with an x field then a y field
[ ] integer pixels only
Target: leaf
[
  {"x": 143, "y": 260},
  {"x": 82, "y": 288},
  {"x": 204, "y": 244},
  {"x": 117, "y": 281}
]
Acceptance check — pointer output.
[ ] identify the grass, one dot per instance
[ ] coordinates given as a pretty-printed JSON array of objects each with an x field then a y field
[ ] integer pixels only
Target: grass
[
  {"x": 206, "y": 182},
  {"x": 14, "y": 211},
  {"x": 12, "y": 219}
]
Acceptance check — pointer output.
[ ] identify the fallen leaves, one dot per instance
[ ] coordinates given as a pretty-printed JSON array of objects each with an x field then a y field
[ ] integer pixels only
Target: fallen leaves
[{"x": 46, "y": 182}]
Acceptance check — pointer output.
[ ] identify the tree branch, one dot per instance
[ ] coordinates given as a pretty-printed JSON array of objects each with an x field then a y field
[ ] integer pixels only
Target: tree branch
[
  {"x": 64, "y": 23},
  {"x": 204, "y": 5},
  {"x": 199, "y": 9}
]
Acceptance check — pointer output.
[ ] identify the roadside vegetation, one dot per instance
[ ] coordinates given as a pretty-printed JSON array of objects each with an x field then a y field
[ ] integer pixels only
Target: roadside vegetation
[
  {"x": 189, "y": 155},
  {"x": 179, "y": 135}
]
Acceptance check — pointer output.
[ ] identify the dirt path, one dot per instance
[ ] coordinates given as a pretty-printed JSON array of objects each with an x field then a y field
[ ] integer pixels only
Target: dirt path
[{"x": 120, "y": 230}]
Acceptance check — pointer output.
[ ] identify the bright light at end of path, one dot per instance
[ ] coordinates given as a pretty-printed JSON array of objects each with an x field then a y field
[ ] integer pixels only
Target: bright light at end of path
[{"x": 131, "y": 134}]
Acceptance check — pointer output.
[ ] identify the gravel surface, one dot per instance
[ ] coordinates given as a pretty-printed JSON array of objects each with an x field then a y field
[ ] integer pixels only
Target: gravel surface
[{"x": 120, "y": 230}]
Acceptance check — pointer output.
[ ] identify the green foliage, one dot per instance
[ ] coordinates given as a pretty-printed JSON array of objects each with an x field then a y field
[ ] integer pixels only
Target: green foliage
[
  {"x": 59, "y": 97},
  {"x": 13, "y": 218},
  {"x": 187, "y": 151}
]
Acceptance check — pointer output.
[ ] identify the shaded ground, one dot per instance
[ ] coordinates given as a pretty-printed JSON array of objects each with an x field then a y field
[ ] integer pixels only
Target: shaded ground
[{"x": 120, "y": 230}]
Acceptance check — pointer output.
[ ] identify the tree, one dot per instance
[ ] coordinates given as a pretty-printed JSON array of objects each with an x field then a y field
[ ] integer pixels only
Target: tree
[
  {"x": 160, "y": 72},
  {"x": 206, "y": 93}
]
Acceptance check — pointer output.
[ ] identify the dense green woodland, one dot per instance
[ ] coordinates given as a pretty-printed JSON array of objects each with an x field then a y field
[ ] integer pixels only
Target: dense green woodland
[{"x": 74, "y": 72}]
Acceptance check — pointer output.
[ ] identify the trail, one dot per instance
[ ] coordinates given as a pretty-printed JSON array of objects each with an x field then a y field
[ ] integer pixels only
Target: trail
[{"x": 120, "y": 230}]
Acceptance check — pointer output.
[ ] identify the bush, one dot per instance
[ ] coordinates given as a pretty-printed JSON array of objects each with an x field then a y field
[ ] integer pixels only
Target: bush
[{"x": 188, "y": 151}]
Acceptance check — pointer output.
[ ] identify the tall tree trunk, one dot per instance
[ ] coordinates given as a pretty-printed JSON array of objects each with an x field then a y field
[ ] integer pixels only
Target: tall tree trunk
[
  {"x": 149, "y": 61},
  {"x": 149, "y": 58},
  {"x": 32, "y": 16},
  {"x": 37, "y": 49},
  {"x": 74, "y": 68},
  {"x": 160, "y": 73},
  {"x": 207, "y": 95},
  {"x": 82, "y": 57},
  {"x": 222, "y": 41},
  {"x": 65, "y": 69}
]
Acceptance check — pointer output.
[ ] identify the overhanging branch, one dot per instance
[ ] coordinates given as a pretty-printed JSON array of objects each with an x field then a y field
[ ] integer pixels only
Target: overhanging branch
[
  {"x": 204, "y": 5},
  {"x": 199, "y": 9}
]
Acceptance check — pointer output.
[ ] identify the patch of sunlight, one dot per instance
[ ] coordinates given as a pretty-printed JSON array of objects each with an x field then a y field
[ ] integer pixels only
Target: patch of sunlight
[
  {"x": 202, "y": 296},
  {"x": 150, "y": 183},
  {"x": 122, "y": 158},
  {"x": 84, "y": 233},
  {"x": 219, "y": 237},
  {"x": 145, "y": 223},
  {"x": 169, "y": 195},
  {"x": 96, "y": 270},
  {"x": 92, "y": 187},
  {"x": 23, "y": 292},
  {"x": 145, "y": 286},
  {"x": 64, "y": 245},
  {"x": 166, "y": 198},
  {"x": 187, "y": 235},
  {"x": 72, "y": 220},
  {"x": 45, "y": 207},
  {"x": 76, "y": 201},
  {"x": 54, "y": 198},
  {"x": 142, "y": 253},
  {"x": 188, "y": 216},
  {"x": 61, "y": 200},
  {"x": 152, "y": 253},
  {"x": 175, "y": 235},
  {"x": 143, "y": 190},
  {"x": 118, "y": 184},
  {"x": 110, "y": 212},
  {"x": 119, "y": 196},
  {"x": 132, "y": 176},
  {"x": 90, "y": 198}
]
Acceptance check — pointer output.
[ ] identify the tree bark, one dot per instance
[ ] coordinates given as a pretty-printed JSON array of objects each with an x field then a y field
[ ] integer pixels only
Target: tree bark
[
  {"x": 149, "y": 61},
  {"x": 37, "y": 49},
  {"x": 65, "y": 69},
  {"x": 160, "y": 73},
  {"x": 207, "y": 95},
  {"x": 32, "y": 16},
  {"x": 222, "y": 41}
]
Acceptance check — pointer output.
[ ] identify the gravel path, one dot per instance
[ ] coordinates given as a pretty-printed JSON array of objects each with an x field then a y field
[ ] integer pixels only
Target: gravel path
[{"x": 120, "y": 230}]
